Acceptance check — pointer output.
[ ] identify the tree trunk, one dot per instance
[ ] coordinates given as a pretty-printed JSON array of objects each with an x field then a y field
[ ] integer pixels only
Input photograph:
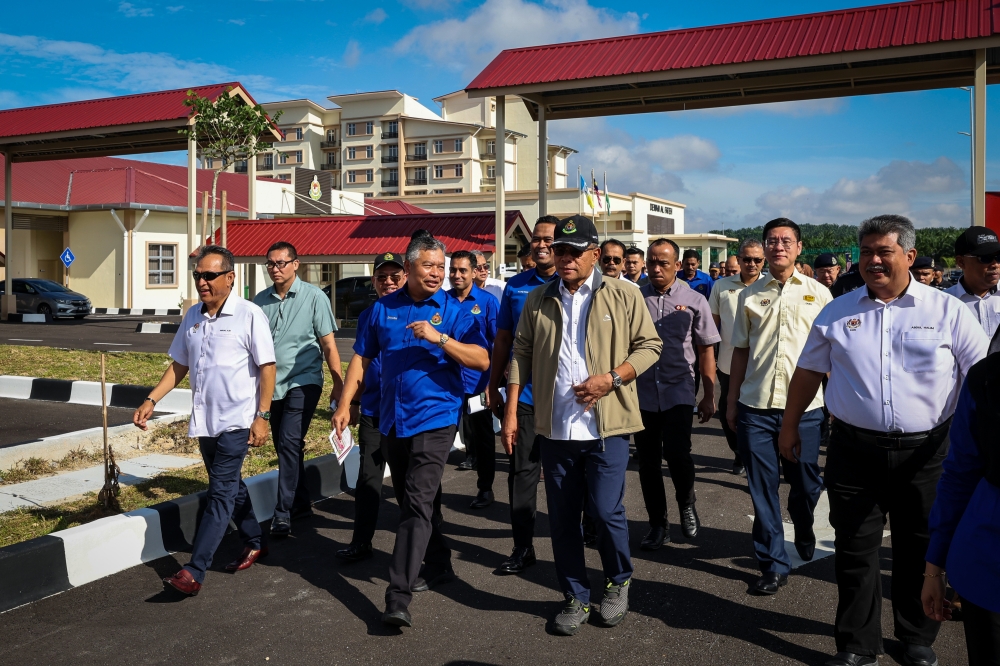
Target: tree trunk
[{"x": 215, "y": 182}]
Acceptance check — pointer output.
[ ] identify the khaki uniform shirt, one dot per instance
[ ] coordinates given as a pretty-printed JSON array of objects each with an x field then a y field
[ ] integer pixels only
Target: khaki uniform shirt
[{"x": 723, "y": 300}]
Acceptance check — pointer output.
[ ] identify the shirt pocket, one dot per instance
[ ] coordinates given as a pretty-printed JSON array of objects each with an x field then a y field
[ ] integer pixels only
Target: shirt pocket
[{"x": 923, "y": 351}]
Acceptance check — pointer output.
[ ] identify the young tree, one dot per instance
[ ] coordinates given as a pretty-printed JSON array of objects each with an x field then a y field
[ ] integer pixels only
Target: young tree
[{"x": 227, "y": 130}]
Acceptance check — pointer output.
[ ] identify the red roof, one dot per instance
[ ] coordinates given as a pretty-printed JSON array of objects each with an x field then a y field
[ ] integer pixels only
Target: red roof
[
  {"x": 380, "y": 207},
  {"x": 365, "y": 235},
  {"x": 108, "y": 112},
  {"x": 97, "y": 181},
  {"x": 843, "y": 31}
]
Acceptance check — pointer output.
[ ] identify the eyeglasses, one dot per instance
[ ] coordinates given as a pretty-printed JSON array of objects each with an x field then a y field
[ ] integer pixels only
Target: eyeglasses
[
  {"x": 563, "y": 250},
  {"x": 756, "y": 260},
  {"x": 395, "y": 278},
  {"x": 208, "y": 276},
  {"x": 280, "y": 265},
  {"x": 482, "y": 267},
  {"x": 775, "y": 242},
  {"x": 987, "y": 259},
  {"x": 608, "y": 260}
]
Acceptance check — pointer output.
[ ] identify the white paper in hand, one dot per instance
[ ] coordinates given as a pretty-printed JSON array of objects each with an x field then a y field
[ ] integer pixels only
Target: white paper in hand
[{"x": 342, "y": 445}]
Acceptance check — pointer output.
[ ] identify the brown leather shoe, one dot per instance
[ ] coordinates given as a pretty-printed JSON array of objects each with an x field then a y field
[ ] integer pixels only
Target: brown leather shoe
[
  {"x": 183, "y": 582},
  {"x": 246, "y": 559}
]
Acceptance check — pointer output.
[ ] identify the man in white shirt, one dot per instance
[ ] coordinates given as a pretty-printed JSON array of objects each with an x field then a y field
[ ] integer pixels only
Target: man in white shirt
[
  {"x": 226, "y": 344},
  {"x": 977, "y": 253},
  {"x": 613, "y": 260},
  {"x": 897, "y": 352},
  {"x": 482, "y": 277}
]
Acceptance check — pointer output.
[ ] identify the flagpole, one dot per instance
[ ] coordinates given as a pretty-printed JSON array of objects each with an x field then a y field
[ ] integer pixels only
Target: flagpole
[
  {"x": 593, "y": 213},
  {"x": 607, "y": 206},
  {"x": 579, "y": 195}
]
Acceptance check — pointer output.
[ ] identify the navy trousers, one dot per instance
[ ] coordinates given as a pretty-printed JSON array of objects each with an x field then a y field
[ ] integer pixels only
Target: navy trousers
[
  {"x": 290, "y": 418},
  {"x": 591, "y": 473},
  {"x": 758, "y": 431},
  {"x": 227, "y": 499}
]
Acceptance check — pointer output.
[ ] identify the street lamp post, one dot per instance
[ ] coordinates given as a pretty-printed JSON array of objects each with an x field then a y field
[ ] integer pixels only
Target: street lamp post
[{"x": 972, "y": 158}]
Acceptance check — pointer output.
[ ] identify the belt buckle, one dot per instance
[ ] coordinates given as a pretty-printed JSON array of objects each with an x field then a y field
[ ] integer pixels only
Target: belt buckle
[{"x": 890, "y": 441}]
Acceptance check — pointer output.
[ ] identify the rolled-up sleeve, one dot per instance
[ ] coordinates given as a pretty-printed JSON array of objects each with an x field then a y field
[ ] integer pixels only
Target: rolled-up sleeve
[{"x": 645, "y": 344}]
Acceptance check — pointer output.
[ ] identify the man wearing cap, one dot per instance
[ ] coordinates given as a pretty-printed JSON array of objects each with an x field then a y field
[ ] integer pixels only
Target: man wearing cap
[
  {"x": 583, "y": 339},
  {"x": 525, "y": 460},
  {"x": 722, "y": 302},
  {"x": 302, "y": 326},
  {"x": 848, "y": 281},
  {"x": 977, "y": 253},
  {"x": 666, "y": 392},
  {"x": 697, "y": 280},
  {"x": 714, "y": 270},
  {"x": 476, "y": 428},
  {"x": 424, "y": 338},
  {"x": 826, "y": 269},
  {"x": 635, "y": 266},
  {"x": 897, "y": 352},
  {"x": 923, "y": 270},
  {"x": 387, "y": 276}
]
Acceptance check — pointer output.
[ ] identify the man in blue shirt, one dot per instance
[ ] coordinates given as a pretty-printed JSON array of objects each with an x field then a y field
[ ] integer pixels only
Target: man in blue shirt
[
  {"x": 476, "y": 428},
  {"x": 525, "y": 461},
  {"x": 425, "y": 338},
  {"x": 697, "y": 280}
]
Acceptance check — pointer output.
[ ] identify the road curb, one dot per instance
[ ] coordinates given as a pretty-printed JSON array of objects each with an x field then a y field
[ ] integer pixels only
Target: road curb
[
  {"x": 162, "y": 312},
  {"x": 52, "y": 564},
  {"x": 22, "y": 318},
  {"x": 157, "y": 328},
  {"x": 178, "y": 401}
]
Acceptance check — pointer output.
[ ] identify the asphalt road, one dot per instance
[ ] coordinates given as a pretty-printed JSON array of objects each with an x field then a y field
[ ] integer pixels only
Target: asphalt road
[
  {"x": 299, "y": 606},
  {"x": 113, "y": 333},
  {"x": 30, "y": 420}
]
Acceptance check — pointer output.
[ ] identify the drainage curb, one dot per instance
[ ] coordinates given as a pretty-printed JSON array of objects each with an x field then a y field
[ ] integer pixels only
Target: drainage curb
[{"x": 178, "y": 401}]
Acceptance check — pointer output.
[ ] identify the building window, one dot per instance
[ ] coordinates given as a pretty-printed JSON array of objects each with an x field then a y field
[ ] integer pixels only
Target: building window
[
  {"x": 420, "y": 173},
  {"x": 491, "y": 147},
  {"x": 298, "y": 156},
  {"x": 369, "y": 176},
  {"x": 352, "y": 129},
  {"x": 209, "y": 162},
  {"x": 293, "y": 134},
  {"x": 331, "y": 158},
  {"x": 369, "y": 195},
  {"x": 352, "y": 153},
  {"x": 369, "y": 152},
  {"x": 439, "y": 146},
  {"x": 439, "y": 171},
  {"x": 393, "y": 127},
  {"x": 458, "y": 145},
  {"x": 420, "y": 149},
  {"x": 457, "y": 191},
  {"x": 393, "y": 175},
  {"x": 458, "y": 171},
  {"x": 370, "y": 127},
  {"x": 331, "y": 135},
  {"x": 283, "y": 158},
  {"x": 352, "y": 176},
  {"x": 162, "y": 265},
  {"x": 285, "y": 176},
  {"x": 392, "y": 150},
  {"x": 491, "y": 171},
  {"x": 438, "y": 191},
  {"x": 268, "y": 160}
]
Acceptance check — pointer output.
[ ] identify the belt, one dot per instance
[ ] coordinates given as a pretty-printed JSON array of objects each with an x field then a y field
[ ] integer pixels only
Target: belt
[{"x": 894, "y": 440}]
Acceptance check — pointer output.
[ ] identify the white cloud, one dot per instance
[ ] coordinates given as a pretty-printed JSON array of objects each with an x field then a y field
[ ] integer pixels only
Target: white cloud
[
  {"x": 468, "y": 44},
  {"x": 237, "y": 21},
  {"x": 174, "y": 9},
  {"x": 131, "y": 11},
  {"x": 9, "y": 99},
  {"x": 352, "y": 54},
  {"x": 435, "y": 5},
  {"x": 375, "y": 16}
]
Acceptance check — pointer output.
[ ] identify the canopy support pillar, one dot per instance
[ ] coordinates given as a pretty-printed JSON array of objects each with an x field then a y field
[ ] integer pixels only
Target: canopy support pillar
[{"x": 501, "y": 121}]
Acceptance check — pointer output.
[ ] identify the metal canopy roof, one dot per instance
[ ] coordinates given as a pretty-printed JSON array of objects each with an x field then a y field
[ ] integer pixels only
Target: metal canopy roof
[
  {"x": 898, "y": 47},
  {"x": 144, "y": 123}
]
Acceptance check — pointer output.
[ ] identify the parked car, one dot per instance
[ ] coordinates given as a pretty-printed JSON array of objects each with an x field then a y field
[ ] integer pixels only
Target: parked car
[
  {"x": 354, "y": 294},
  {"x": 47, "y": 297}
]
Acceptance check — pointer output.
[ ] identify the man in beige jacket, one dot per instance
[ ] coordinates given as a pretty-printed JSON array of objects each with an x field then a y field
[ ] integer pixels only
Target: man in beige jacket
[{"x": 582, "y": 340}]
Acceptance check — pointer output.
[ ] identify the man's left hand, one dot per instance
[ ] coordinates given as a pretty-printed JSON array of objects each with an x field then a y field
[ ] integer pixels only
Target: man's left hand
[
  {"x": 258, "y": 432},
  {"x": 593, "y": 389},
  {"x": 422, "y": 330},
  {"x": 706, "y": 409}
]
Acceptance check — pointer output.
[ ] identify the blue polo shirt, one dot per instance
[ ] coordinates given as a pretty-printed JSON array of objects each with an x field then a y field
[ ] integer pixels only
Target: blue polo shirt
[
  {"x": 421, "y": 385},
  {"x": 514, "y": 295},
  {"x": 702, "y": 282},
  {"x": 372, "y": 394},
  {"x": 482, "y": 305}
]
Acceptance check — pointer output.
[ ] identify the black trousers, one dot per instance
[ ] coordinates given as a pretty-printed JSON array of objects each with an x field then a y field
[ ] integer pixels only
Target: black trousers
[
  {"x": 665, "y": 435},
  {"x": 522, "y": 480},
  {"x": 480, "y": 443},
  {"x": 416, "y": 464},
  {"x": 865, "y": 484},
  {"x": 368, "y": 492},
  {"x": 290, "y": 418},
  {"x": 982, "y": 634},
  {"x": 724, "y": 407}
]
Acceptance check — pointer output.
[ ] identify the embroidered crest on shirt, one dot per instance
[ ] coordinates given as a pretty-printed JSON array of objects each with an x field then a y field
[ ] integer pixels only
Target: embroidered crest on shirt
[
  {"x": 197, "y": 325},
  {"x": 475, "y": 309},
  {"x": 809, "y": 298},
  {"x": 853, "y": 324},
  {"x": 436, "y": 319},
  {"x": 732, "y": 291},
  {"x": 764, "y": 302},
  {"x": 680, "y": 307}
]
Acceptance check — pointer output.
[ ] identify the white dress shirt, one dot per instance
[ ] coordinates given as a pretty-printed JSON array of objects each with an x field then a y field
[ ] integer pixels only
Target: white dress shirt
[
  {"x": 569, "y": 421},
  {"x": 495, "y": 287},
  {"x": 896, "y": 366},
  {"x": 986, "y": 309},
  {"x": 621, "y": 276},
  {"x": 223, "y": 355}
]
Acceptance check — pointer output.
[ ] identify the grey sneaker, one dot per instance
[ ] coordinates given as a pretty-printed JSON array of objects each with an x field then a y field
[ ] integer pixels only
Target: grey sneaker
[
  {"x": 573, "y": 616},
  {"x": 614, "y": 605}
]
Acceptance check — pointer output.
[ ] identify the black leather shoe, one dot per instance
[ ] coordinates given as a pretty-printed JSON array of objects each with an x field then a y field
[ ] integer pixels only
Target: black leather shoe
[
  {"x": 430, "y": 579},
  {"x": 355, "y": 552},
  {"x": 769, "y": 583},
  {"x": 468, "y": 464},
  {"x": 522, "y": 558},
  {"x": 738, "y": 468},
  {"x": 919, "y": 655},
  {"x": 689, "y": 521},
  {"x": 656, "y": 537},
  {"x": 281, "y": 527},
  {"x": 483, "y": 499},
  {"x": 398, "y": 618},
  {"x": 805, "y": 544},
  {"x": 851, "y": 659}
]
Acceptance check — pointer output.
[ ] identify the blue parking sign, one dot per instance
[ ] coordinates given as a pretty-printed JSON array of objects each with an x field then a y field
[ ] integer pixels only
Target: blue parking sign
[{"x": 67, "y": 257}]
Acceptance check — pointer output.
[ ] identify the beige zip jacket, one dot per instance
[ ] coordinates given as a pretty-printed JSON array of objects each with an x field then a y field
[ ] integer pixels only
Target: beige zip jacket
[{"x": 619, "y": 329}]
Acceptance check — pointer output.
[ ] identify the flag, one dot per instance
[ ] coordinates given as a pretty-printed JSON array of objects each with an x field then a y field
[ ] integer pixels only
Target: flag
[
  {"x": 607, "y": 200},
  {"x": 597, "y": 193},
  {"x": 586, "y": 191}
]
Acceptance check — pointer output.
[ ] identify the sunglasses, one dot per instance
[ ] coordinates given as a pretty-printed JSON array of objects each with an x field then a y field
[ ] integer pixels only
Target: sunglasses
[
  {"x": 280, "y": 265},
  {"x": 563, "y": 250},
  {"x": 395, "y": 278},
  {"x": 987, "y": 259},
  {"x": 756, "y": 260},
  {"x": 208, "y": 276},
  {"x": 482, "y": 267},
  {"x": 608, "y": 260}
]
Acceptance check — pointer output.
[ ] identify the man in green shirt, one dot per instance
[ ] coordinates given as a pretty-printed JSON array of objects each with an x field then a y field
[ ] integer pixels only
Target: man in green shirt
[{"x": 302, "y": 326}]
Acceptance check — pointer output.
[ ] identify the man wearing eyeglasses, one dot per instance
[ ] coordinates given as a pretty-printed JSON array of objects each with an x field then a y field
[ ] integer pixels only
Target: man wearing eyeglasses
[
  {"x": 977, "y": 253},
  {"x": 722, "y": 302},
  {"x": 483, "y": 280},
  {"x": 773, "y": 318},
  {"x": 226, "y": 344},
  {"x": 302, "y": 326},
  {"x": 613, "y": 259}
]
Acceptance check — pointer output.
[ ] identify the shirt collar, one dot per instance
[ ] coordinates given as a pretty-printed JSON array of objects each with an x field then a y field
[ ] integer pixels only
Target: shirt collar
[
  {"x": 991, "y": 292},
  {"x": 228, "y": 307},
  {"x": 794, "y": 278},
  {"x": 291, "y": 290},
  {"x": 434, "y": 298},
  {"x": 474, "y": 293},
  {"x": 591, "y": 284},
  {"x": 912, "y": 289}
]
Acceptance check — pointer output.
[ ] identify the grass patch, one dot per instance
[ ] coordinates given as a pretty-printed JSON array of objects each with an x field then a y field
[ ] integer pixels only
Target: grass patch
[{"x": 144, "y": 369}]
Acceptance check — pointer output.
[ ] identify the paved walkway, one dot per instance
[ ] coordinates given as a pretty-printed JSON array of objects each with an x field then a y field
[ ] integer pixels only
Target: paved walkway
[{"x": 299, "y": 606}]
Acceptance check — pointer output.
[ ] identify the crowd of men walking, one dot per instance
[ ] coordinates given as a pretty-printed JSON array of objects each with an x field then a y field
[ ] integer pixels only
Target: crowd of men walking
[{"x": 596, "y": 344}]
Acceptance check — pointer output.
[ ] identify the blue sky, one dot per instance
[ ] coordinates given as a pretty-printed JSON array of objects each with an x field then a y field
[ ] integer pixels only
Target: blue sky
[{"x": 824, "y": 161}]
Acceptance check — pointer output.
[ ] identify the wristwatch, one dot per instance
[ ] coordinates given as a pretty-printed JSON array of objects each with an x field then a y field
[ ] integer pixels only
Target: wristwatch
[
  {"x": 264, "y": 415},
  {"x": 616, "y": 380},
  {"x": 444, "y": 340}
]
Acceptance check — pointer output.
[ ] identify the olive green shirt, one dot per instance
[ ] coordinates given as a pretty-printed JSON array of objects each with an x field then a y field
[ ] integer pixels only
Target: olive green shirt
[{"x": 297, "y": 323}]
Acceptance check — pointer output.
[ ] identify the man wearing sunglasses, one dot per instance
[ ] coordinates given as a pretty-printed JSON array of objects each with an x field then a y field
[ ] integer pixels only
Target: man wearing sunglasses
[
  {"x": 226, "y": 344},
  {"x": 483, "y": 280},
  {"x": 613, "y": 259},
  {"x": 302, "y": 326},
  {"x": 977, "y": 253}
]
